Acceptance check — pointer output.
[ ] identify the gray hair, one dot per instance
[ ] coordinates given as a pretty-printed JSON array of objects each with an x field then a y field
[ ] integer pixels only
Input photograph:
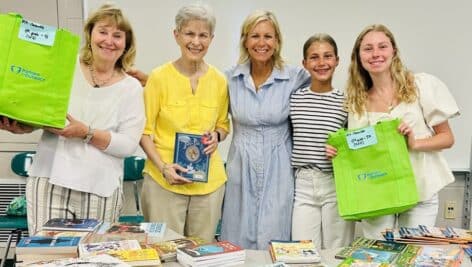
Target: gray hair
[{"x": 195, "y": 12}]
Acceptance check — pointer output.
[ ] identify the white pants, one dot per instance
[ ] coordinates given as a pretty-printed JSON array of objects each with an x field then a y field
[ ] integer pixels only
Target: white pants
[
  {"x": 315, "y": 211},
  {"x": 424, "y": 212}
]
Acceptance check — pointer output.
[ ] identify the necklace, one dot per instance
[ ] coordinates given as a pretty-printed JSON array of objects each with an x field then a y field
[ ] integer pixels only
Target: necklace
[
  {"x": 97, "y": 82},
  {"x": 389, "y": 104}
]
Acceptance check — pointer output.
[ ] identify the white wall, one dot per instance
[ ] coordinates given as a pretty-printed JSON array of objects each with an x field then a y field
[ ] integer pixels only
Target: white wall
[{"x": 433, "y": 36}]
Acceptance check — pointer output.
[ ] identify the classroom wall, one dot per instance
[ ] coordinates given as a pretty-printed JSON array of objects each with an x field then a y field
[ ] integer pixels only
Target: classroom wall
[{"x": 433, "y": 37}]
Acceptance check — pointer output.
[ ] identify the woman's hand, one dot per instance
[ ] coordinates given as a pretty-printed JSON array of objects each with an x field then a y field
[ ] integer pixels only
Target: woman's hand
[
  {"x": 169, "y": 172},
  {"x": 139, "y": 75},
  {"x": 331, "y": 152},
  {"x": 75, "y": 128},
  {"x": 14, "y": 126},
  {"x": 210, "y": 140},
  {"x": 406, "y": 130}
]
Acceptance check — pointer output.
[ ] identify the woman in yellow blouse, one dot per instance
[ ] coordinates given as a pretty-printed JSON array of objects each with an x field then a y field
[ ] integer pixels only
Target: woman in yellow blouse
[{"x": 189, "y": 96}]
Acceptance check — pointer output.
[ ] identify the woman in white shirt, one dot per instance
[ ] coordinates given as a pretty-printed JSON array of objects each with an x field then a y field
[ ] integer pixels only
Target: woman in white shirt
[{"x": 78, "y": 170}]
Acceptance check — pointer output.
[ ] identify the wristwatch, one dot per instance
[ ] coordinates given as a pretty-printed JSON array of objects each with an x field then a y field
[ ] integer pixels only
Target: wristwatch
[{"x": 89, "y": 135}]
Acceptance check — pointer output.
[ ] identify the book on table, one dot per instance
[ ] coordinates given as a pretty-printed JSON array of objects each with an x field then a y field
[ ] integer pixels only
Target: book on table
[
  {"x": 168, "y": 249},
  {"x": 137, "y": 257},
  {"x": 87, "y": 249},
  {"x": 222, "y": 253},
  {"x": 90, "y": 261},
  {"x": 295, "y": 251},
  {"x": 35, "y": 248},
  {"x": 362, "y": 242},
  {"x": 188, "y": 153},
  {"x": 124, "y": 231},
  {"x": 79, "y": 225},
  {"x": 428, "y": 235}
]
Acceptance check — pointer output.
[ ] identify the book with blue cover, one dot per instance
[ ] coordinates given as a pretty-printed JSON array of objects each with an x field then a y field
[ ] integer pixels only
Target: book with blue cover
[
  {"x": 188, "y": 153},
  {"x": 61, "y": 224},
  {"x": 47, "y": 245}
]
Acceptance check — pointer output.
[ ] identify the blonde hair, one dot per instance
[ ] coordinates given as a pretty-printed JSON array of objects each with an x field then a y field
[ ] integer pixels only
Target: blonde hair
[
  {"x": 249, "y": 23},
  {"x": 114, "y": 15},
  {"x": 359, "y": 81}
]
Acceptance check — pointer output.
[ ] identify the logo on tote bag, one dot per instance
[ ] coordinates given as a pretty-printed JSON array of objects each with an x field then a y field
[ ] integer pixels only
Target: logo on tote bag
[
  {"x": 26, "y": 73},
  {"x": 371, "y": 175}
]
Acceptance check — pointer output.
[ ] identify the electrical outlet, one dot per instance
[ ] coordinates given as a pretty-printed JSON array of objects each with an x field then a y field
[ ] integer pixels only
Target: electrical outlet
[{"x": 450, "y": 210}]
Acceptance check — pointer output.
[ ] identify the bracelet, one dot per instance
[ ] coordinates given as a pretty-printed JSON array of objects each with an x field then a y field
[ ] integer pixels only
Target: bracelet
[
  {"x": 164, "y": 168},
  {"x": 218, "y": 136}
]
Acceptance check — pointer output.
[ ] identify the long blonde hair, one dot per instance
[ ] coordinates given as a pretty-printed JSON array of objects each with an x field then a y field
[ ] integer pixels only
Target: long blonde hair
[
  {"x": 360, "y": 82},
  {"x": 249, "y": 23}
]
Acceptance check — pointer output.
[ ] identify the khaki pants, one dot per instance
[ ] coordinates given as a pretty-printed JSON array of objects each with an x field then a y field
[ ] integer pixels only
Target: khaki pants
[
  {"x": 46, "y": 201},
  {"x": 188, "y": 215}
]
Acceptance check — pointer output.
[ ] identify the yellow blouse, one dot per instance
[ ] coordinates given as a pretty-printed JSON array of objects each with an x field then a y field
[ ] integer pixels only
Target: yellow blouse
[{"x": 171, "y": 107}]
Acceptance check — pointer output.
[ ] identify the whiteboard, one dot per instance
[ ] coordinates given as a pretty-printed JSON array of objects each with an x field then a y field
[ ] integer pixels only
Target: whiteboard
[{"x": 433, "y": 37}]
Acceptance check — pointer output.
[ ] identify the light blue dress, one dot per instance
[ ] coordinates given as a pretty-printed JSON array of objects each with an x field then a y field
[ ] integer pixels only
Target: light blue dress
[{"x": 260, "y": 187}]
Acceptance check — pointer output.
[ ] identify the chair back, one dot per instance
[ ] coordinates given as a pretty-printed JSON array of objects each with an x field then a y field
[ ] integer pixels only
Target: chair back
[
  {"x": 133, "y": 169},
  {"x": 21, "y": 163}
]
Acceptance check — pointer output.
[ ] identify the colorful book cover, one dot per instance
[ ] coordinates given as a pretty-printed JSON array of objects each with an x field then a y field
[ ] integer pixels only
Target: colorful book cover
[
  {"x": 211, "y": 251},
  {"x": 302, "y": 251},
  {"x": 168, "y": 249},
  {"x": 61, "y": 224},
  {"x": 188, "y": 153},
  {"x": 106, "y": 247},
  {"x": 362, "y": 242},
  {"x": 445, "y": 256},
  {"x": 350, "y": 262},
  {"x": 374, "y": 255},
  {"x": 137, "y": 257}
]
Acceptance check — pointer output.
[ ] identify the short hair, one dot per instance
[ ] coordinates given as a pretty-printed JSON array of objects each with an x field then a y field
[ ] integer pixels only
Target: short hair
[
  {"x": 249, "y": 23},
  {"x": 195, "y": 12},
  {"x": 359, "y": 80},
  {"x": 320, "y": 37},
  {"x": 114, "y": 15}
]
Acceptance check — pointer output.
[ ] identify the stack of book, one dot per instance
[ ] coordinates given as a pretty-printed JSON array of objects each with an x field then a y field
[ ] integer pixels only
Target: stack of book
[
  {"x": 58, "y": 239},
  {"x": 168, "y": 249},
  {"x": 428, "y": 235},
  {"x": 39, "y": 248},
  {"x": 216, "y": 254},
  {"x": 91, "y": 261},
  {"x": 293, "y": 252}
]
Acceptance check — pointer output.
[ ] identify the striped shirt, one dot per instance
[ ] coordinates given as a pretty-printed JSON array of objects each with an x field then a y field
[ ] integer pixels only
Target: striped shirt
[{"x": 313, "y": 116}]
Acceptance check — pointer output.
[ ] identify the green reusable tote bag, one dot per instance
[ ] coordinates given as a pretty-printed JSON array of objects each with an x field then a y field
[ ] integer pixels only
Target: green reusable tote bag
[
  {"x": 372, "y": 171},
  {"x": 37, "y": 64}
]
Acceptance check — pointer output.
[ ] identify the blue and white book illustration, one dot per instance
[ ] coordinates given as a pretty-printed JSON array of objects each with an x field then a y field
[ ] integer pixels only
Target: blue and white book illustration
[
  {"x": 45, "y": 241},
  {"x": 188, "y": 153}
]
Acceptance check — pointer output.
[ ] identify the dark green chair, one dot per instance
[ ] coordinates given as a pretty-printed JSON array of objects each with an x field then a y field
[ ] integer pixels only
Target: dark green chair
[
  {"x": 17, "y": 226},
  {"x": 133, "y": 172}
]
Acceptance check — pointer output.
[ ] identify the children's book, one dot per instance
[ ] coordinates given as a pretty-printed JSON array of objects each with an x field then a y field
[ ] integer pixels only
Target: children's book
[
  {"x": 444, "y": 256},
  {"x": 374, "y": 255},
  {"x": 47, "y": 245},
  {"x": 168, "y": 249},
  {"x": 88, "y": 249},
  {"x": 362, "y": 242},
  {"x": 188, "y": 153},
  {"x": 213, "y": 254},
  {"x": 407, "y": 257},
  {"x": 137, "y": 257},
  {"x": 302, "y": 251},
  {"x": 102, "y": 260},
  {"x": 350, "y": 262},
  {"x": 79, "y": 225},
  {"x": 417, "y": 235}
]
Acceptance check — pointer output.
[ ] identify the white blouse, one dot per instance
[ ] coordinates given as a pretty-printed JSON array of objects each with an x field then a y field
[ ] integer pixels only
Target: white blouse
[
  {"x": 71, "y": 163},
  {"x": 434, "y": 105}
]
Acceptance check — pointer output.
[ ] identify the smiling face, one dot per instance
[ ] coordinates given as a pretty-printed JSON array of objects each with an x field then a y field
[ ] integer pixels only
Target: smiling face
[
  {"x": 261, "y": 42},
  {"x": 321, "y": 61},
  {"x": 107, "y": 41},
  {"x": 376, "y": 52},
  {"x": 194, "y": 38}
]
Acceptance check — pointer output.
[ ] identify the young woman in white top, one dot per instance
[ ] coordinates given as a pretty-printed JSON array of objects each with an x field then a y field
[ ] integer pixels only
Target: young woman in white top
[{"x": 381, "y": 88}]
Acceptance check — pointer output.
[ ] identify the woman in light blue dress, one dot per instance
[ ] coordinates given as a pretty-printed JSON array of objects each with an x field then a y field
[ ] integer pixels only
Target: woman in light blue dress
[{"x": 260, "y": 188}]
